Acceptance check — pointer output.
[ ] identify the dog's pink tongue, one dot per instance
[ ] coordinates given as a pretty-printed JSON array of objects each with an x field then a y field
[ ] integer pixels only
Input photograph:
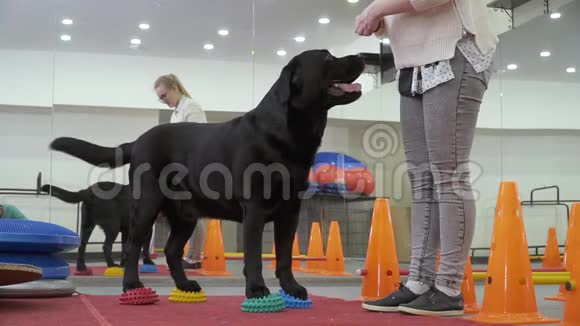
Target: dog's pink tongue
[{"x": 350, "y": 88}]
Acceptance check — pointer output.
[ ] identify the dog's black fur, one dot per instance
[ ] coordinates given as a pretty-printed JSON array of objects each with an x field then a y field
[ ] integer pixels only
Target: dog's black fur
[
  {"x": 284, "y": 131},
  {"x": 106, "y": 204}
]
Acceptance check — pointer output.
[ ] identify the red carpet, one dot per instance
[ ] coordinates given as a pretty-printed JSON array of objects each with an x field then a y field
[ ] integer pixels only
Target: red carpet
[
  {"x": 163, "y": 271},
  {"x": 218, "y": 310}
]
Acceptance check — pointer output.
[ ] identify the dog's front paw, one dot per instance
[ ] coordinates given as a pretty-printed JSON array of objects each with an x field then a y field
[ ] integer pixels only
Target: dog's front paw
[
  {"x": 257, "y": 291},
  {"x": 81, "y": 267},
  {"x": 148, "y": 261},
  {"x": 189, "y": 286},
  {"x": 132, "y": 285},
  {"x": 294, "y": 289}
]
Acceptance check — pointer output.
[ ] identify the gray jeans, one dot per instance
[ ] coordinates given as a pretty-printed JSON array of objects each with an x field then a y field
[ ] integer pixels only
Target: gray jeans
[{"x": 438, "y": 128}]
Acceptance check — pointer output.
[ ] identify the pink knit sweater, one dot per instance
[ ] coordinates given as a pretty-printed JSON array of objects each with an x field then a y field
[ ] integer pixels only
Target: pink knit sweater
[{"x": 431, "y": 32}]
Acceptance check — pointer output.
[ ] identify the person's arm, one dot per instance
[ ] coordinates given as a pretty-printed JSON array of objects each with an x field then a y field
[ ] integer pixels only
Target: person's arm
[{"x": 369, "y": 21}]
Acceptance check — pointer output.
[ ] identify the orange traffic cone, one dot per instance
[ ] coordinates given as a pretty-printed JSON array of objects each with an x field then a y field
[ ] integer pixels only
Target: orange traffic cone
[
  {"x": 296, "y": 264},
  {"x": 214, "y": 262},
  {"x": 273, "y": 262},
  {"x": 571, "y": 311},
  {"x": 572, "y": 244},
  {"x": 185, "y": 249},
  {"x": 552, "y": 253},
  {"x": 315, "y": 249},
  {"x": 382, "y": 263},
  {"x": 470, "y": 305},
  {"x": 334, "y": 255},
  {"x": 509, "y": 295}
]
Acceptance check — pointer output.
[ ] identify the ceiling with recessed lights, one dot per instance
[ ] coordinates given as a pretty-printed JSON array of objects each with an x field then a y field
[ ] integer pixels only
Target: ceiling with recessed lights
[
  {"x": 231, "y": 29},
  {"x": 185, "y": 28},
  {"x": 559, "y": 38}
]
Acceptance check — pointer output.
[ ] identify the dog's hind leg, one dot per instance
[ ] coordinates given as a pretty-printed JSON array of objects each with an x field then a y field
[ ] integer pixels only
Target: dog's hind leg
[
  {"x": 146, "y": 248},
  {"x": 254, "y": 220},
  {"x": 182, "y": 222},
  {"x": 87, "y": 227},
  {"x": 143, "y": 214},
  {"x": 110, "y": 236},
  {"x": 285, "y": 225}
]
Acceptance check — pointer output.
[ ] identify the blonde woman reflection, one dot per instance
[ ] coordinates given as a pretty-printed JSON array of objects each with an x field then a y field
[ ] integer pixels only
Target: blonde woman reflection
[{"x": 171, "y": 92}]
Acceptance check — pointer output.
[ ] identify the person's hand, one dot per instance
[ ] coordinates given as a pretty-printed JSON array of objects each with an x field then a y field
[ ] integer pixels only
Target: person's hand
[{"x": 368, "y": 21}]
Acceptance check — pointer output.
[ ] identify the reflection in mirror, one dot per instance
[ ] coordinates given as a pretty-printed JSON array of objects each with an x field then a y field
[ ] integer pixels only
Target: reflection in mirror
[
  {"x": 133, "y": 65},
  {"x": 28, "y": 35},
  {"x": 540, "y": 113}
]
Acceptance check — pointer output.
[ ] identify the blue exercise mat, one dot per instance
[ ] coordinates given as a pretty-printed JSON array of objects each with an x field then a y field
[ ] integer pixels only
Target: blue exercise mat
[
  {"x": 53, "y": 267},
  {"x": 25, "y": 236}
]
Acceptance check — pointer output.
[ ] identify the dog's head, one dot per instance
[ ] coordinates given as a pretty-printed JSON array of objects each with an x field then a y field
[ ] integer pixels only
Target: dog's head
[{"x": 316, "y": 79}]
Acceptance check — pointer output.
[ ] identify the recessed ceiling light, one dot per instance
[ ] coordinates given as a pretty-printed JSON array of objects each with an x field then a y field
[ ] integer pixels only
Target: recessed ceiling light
[
  {"x": 386, "y": 40},
  {"x": 224, "y": 32},
  {"x": 555, "y": 15},
  {"x": 300, "y": 39},
  {"x": 135, "y": 41},
  {"x": 281, "y": 53},
  {"x": 65, "y": 37},
  {"x": 570, "y": 70},
  {"x": 512, "y": 66},
  {"x": 67, "y": 21},
  {"x": 545, "y": 54},
  {"x": 144, "y": 26},
  {"x": 352, "y": 1},
  {"x": 324, "y": 20},
  {"x": 208, "y": 46}
]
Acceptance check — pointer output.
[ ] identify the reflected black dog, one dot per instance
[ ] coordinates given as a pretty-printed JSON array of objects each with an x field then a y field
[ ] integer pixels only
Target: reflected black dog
[
  {"x": 251, "y": 169},
  {"x": 106, "y": 204}
]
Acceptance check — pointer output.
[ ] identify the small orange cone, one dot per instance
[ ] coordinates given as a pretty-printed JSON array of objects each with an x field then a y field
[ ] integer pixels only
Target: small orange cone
[
  {"x": 470, "y": 305},
  {"x": 185, "y": 248},
  {"x": 572, "y": 245},
  {"x": 571, "y": 311},
  {"x": 315, "y": 249},
  {"x": 296, "y": 264},
  {"x": 273, "y": 262},
  {"x": 552, "y": 253},
  {"x": 382, "y": 263},
  {"x": 334, "y": 255},
  {"x": 214, "y": 263},
  {"x": 509, "y": 295}
]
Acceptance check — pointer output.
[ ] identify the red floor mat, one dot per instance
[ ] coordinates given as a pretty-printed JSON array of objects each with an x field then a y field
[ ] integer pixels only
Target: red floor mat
[
  {"x": 163, "y": 271},
  {"x": 218, "y": 310}
]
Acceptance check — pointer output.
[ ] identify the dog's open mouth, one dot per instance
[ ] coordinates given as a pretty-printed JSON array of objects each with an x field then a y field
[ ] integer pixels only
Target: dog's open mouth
[{"x": 339, "y": 88}]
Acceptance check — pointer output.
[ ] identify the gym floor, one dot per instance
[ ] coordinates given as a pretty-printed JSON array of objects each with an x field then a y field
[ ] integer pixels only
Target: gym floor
[{"x": 344, "y": 287}]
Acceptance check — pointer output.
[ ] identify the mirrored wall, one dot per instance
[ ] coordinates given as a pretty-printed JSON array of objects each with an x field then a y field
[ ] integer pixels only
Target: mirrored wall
[{"x": 89, "y": 70}]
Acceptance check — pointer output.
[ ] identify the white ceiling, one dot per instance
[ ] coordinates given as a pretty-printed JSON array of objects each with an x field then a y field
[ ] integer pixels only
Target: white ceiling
[
  {"x": 561, "y": 37},
  {"x": 179, "y": 28}
]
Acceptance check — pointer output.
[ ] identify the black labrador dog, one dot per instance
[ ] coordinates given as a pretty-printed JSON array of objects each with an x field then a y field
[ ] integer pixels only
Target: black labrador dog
[
  {"x": 106, "y": 204},
  {"x": 252, "y": 169}
]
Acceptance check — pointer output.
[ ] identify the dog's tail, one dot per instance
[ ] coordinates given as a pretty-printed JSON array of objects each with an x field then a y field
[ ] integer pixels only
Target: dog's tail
[
  {"x": 65, "y": 195},
  {"x": 92, "y": 153}
]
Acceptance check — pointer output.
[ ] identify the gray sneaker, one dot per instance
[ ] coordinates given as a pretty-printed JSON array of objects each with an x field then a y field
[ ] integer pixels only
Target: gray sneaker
[
  {"x": 391, "y": 302},
  {"x": 434, "y": 303}
]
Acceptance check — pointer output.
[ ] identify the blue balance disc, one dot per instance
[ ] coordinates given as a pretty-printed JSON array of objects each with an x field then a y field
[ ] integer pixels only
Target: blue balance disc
[
  {"x": 147, "y": 268},
  {"x": 294, "y": 303},
  {"x": 25, "y": 236},
  {"x": 53, "y": 267}
]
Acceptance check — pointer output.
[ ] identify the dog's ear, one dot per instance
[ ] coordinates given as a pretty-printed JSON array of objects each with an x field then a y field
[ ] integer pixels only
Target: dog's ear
[{"x": 289, "y": 79}]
